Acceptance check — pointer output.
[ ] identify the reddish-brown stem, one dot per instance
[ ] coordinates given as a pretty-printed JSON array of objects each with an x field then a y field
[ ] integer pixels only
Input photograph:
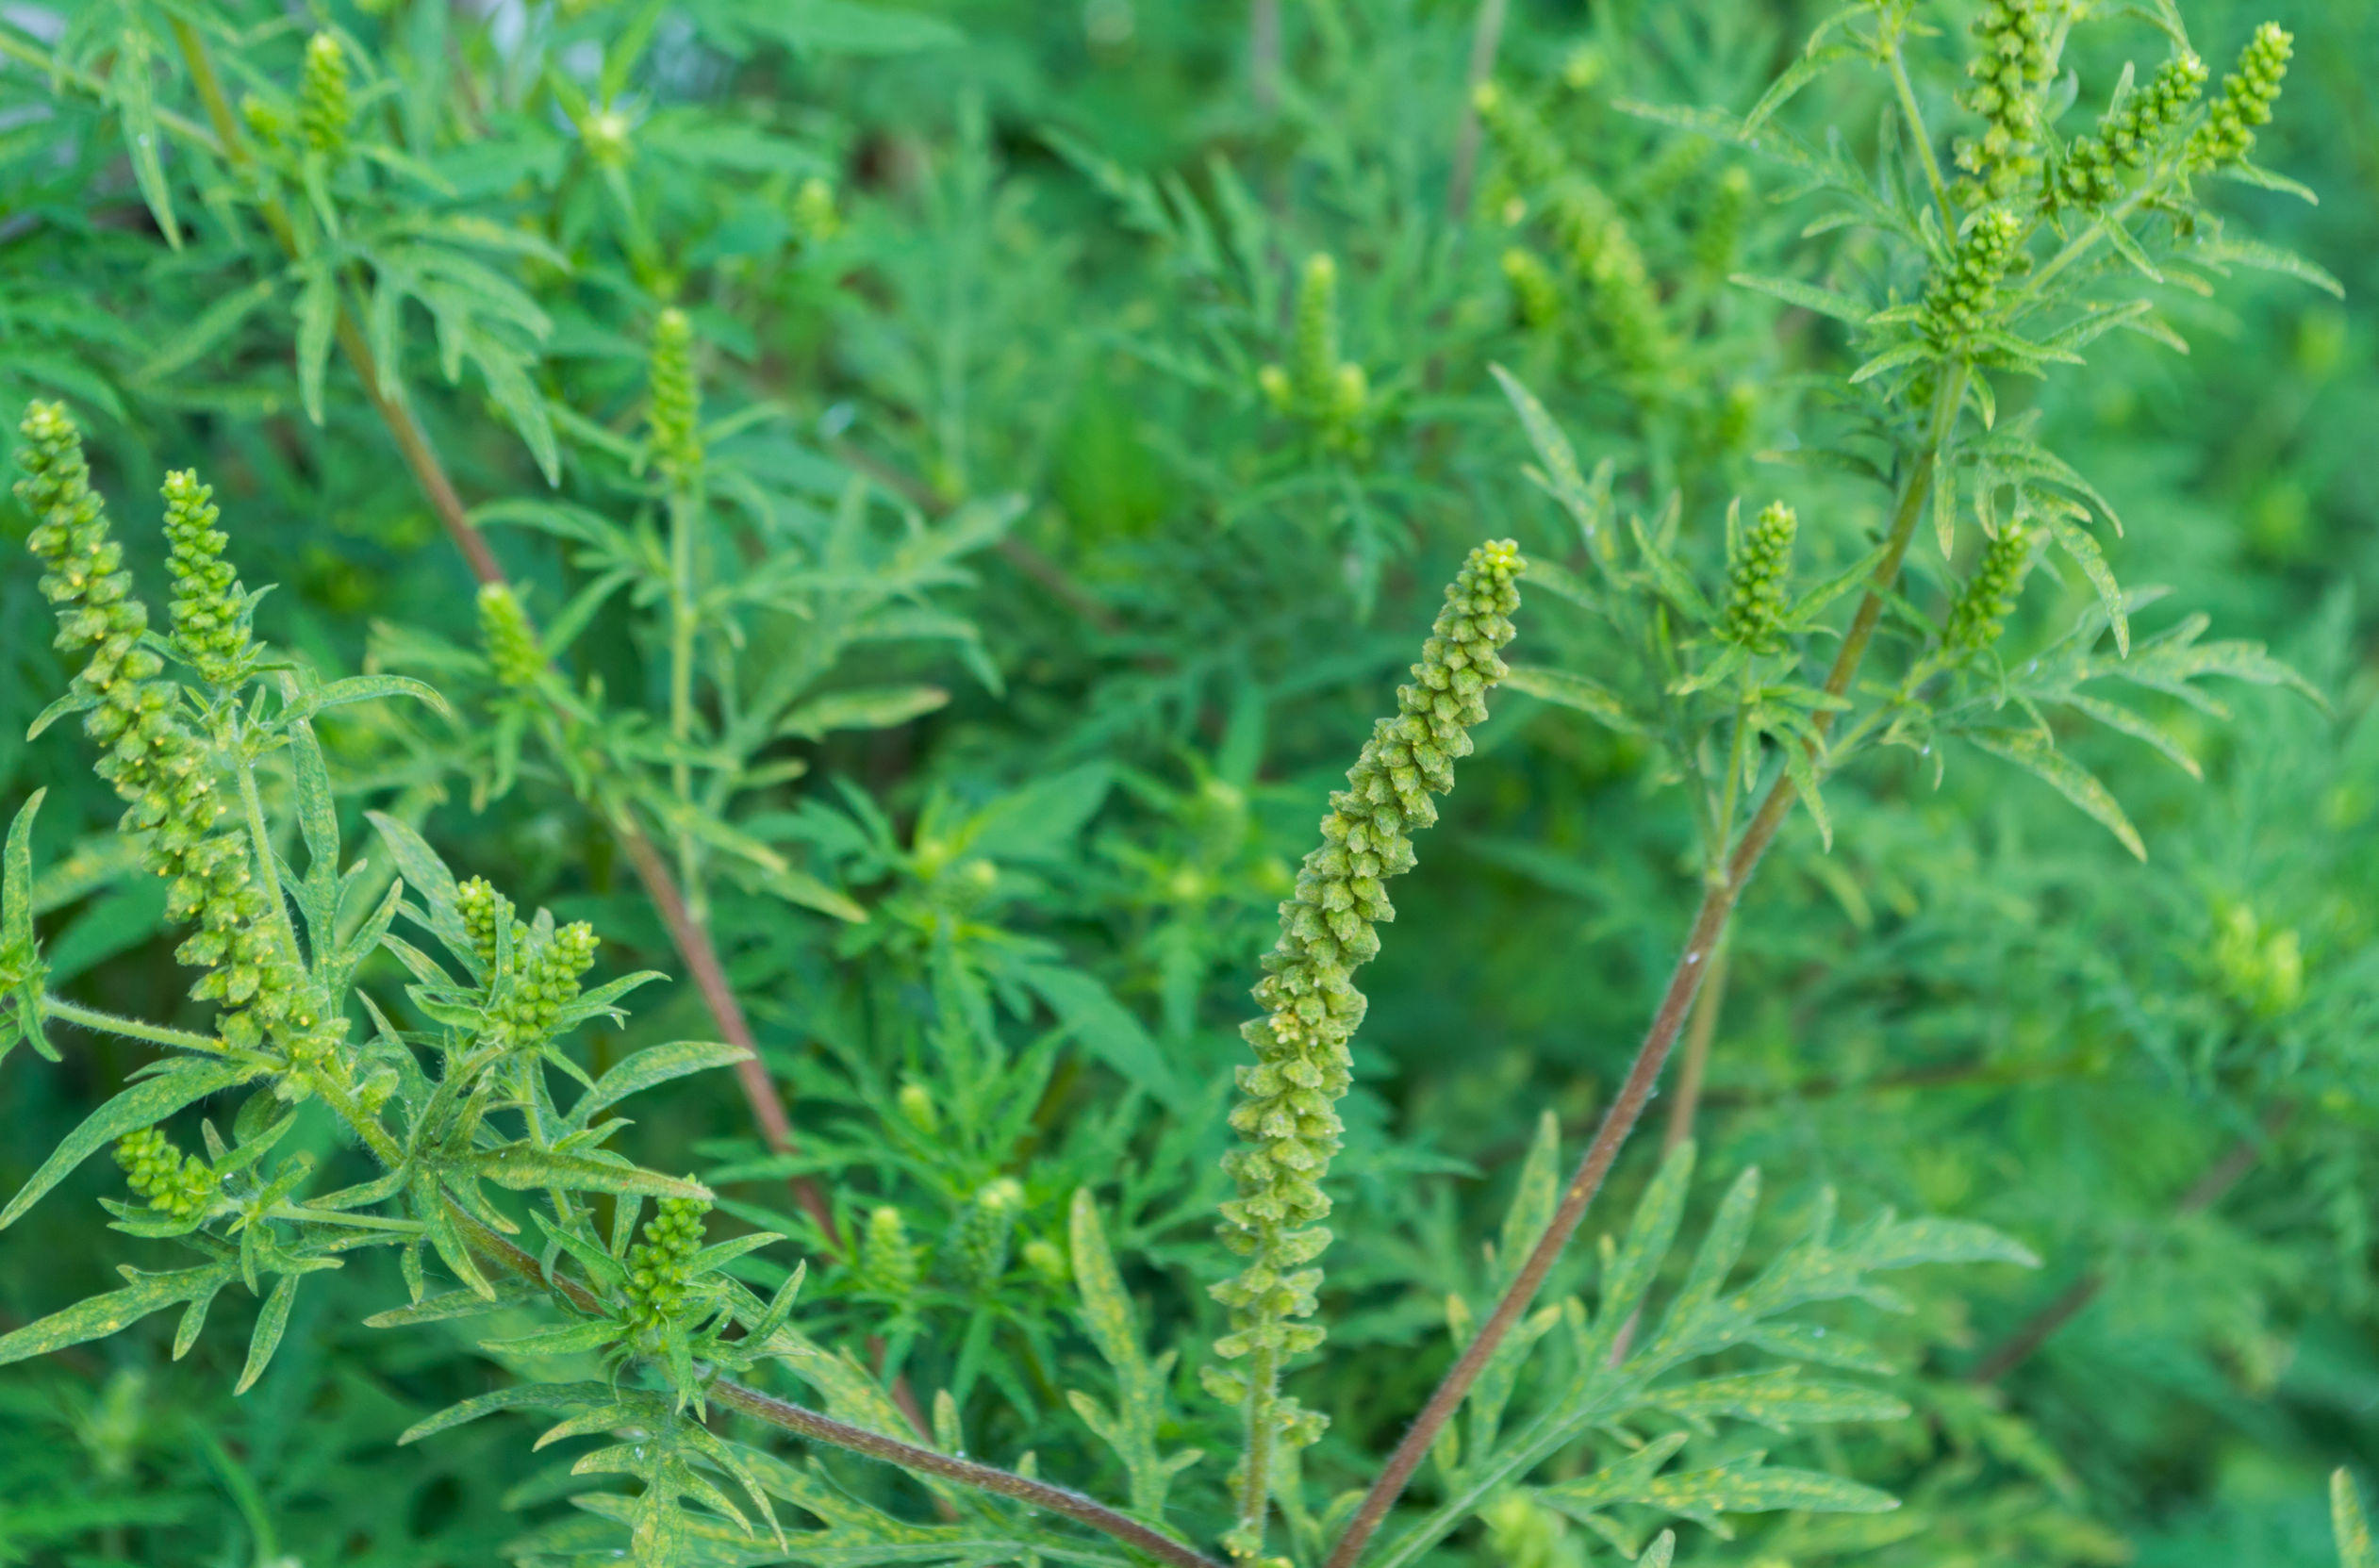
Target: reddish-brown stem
[
  {"x": 1676, "y": 1000},
  {"x": 2044, "y": 1325},
  {"x": 1698, "y": 1035}
]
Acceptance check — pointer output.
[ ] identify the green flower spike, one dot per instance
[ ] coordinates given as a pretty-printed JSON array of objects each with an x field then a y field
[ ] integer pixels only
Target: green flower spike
[
  {"x": 1287, "y": 1119},
  {"x": 1759, "y": 581},
  {"x": 1962, "y": 297},
  {"x": 155, "y": 764},
  {"x": 1981, "y": 612},
  {"x": 210, "y": 607},
  {"x": 510, "y": 641},
  {"x": 675, "y": 415},
  {"x": 325, "y": 110},
  {"x": 1536, "y": 299},
  {"x": 2092, "y": 173},
  {"x": 2249, "y": 93},
  {"x": 889, "y": 1263},
  {"x": 661, "y": 1265},
  {"x": 174, "y": 1185},
  {"x": 2010, "y": 68}
]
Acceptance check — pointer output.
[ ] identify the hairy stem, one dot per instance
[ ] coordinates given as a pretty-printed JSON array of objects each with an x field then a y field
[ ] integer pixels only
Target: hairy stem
[
  {"x": 819, "y": 1428},
  {"x": 131, "y": 1028},
  {"x": 1676, "y": 1001},
  {"x": 1923, "y": 139}
]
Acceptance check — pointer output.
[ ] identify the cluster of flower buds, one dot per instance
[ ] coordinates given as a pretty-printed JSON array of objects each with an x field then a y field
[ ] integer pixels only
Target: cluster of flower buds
[
  {"x": 817, "y": 218},
  {"x": 1329, "y": 393},
  {"x": 890, "y": 1261},
  {"x": 325, "y": 108},
  {"x": 525, "y": 998},
  {"x": 210, "y": 607},
  {"x": 1287, "y": 1117},
  {"x": 661, "y": 1265},
  {"x": 674, "y": 416},
  {"x": 172, "y": 1185},
  {"x": 2095, "y": 168},
  {"x": 1982, "y": 610},
  {"x": 1962, "y": 296},
  {"x": 984, "y": 1231},
  {"x": 2010, "y": 68},
  {"x": 2249, "y": 93},
  {"x": 513, "y": 654},
  {"x": 1759, "y": 580},
  {"x": 163, "y": 773}
]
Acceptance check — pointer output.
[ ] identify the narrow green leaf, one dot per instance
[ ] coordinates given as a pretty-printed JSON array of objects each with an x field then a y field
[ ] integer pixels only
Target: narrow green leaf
[
  {"x": 136, "y": 99},
  {"x": 867, "y": 708},
  {"x": 653, "y": 1064},
  {"x": 1107, "y": 1029},
  {"x": 2075, "y": 541},
  {"x": 1573, "y": 691},
  {"x": 524, "y": 1168},
  {"x": 561, "y": 1339},
  {"x": 1803, "y": 773},
  {"x": 368, "y": 688},
  {"x": 2068, "y": 777},
  {"x": 1808, "y": 296},
  {"x": 145, "y": 1104},
  {"x": 2271, "y": 258},
  {"x": 543, "y": 1396},
  {"x": 215, "y": 323},
  {"x": 270, "y": 1324},
  {"x": 98, "y": 1316}
]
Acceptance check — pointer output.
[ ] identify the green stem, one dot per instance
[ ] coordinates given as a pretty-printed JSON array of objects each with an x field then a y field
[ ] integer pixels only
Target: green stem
[
  {"x": 130, "y": 1029},
  {"x": 684, "y": 515},
  {"x": 1917, "y": 133},
  {"x": 1262, "y": 1423}
]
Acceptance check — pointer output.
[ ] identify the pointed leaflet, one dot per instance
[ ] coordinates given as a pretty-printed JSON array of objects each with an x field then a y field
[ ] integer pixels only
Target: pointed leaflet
[
  {"x": 19, "y": 953},
  {"x": 145, "y": 1104},
  {"x": 317, "y": 312},
  {"x": 270, "y": 1324},
  {"x": 1650, "y": 1236},
  {"x": 2075, "y": 541},
  {"x": 653, "y": 1064},
  {"x": 1107, "y": 1028},
  {"x": 1572, "y": 691},
  {"x": 524, "y": 1168},
  {"x": 1560, "y": 478},
  {"x": 1807, "y": 296},
  {"x": 545, "y": 1397},
  {"x": 102, "y": 1316},
  {"x": 2068, "y": 777},
  {"x": 2355, "y": 1549},
  {"x": 135, "y": 98}
]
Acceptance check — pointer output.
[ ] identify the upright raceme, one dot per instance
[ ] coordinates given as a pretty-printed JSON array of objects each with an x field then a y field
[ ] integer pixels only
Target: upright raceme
[{"x": 1287, "y": 1119}]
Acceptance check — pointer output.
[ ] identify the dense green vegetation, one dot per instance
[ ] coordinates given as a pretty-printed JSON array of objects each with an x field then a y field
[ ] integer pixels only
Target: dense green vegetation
[{"x": 826, "y": 560}]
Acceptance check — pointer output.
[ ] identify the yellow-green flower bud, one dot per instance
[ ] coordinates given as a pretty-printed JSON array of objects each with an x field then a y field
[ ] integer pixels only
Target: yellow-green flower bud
[
  {"x": 675, "y": 414},
  {"x": 1981, "y": 612},
  {"x": 325, "y": 111},
  {"x": 2248, "y": 94},
  {"x": 1759, "y": 580},
  {"x": 1720, "y": 236},
  {"x": 2261, "y": 971},
  {"x": 510, "y": 641},
  {"x": 157, "y": 1172},
  {"x": 916, "y": 1103},
  {"x": 1313, "y": 365},
  {"x": 486, "y": 912},
  {"x": 984, "y": 1230}
]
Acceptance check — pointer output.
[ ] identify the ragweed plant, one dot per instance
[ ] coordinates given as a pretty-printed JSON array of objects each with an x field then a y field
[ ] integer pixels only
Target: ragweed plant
[{"x": 713, "y": 335}]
